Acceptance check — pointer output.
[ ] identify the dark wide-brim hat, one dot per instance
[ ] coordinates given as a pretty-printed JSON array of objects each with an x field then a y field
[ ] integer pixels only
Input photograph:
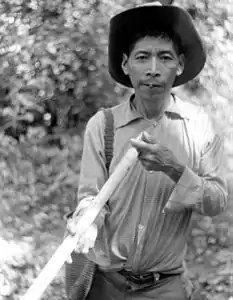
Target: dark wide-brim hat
[{"x": 166, "y": 18}]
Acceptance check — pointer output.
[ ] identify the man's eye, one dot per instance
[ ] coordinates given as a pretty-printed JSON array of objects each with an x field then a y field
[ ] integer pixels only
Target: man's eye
[
  {"x": 141, "y": 57},
  {"x": 166, "y": 57}
]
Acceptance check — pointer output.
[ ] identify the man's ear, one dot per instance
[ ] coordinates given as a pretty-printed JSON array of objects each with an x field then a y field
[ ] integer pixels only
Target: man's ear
[
  {"x": 124, "y": 64},
  {"x": 180, "y": 68}
]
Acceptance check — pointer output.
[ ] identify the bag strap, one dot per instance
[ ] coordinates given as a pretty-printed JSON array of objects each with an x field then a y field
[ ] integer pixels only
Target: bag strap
[
  {"x": 108, "y": 142},
  {"x": 108, "y": 136}
]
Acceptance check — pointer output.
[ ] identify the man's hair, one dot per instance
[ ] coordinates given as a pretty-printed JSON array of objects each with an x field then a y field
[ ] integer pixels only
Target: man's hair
[{"x": 169, "y": 36}]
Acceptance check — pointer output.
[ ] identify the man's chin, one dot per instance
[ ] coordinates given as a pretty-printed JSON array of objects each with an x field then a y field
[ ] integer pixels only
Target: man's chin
[{"x": 152, "y": 92}]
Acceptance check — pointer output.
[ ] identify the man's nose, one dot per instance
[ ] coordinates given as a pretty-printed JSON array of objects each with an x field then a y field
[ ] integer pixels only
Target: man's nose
[{"x": 153, "y": 67}]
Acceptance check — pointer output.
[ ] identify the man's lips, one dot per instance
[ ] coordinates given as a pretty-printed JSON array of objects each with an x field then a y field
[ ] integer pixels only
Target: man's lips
[{"x": 153, "y": 85}]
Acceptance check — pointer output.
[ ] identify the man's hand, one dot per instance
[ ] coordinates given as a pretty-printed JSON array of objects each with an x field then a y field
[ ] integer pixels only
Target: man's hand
[
  {"x": 156, "y": 157},
  {"x": 87, "y": 240}
]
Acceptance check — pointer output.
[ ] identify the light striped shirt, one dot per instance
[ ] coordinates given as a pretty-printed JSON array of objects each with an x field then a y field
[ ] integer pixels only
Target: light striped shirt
[{"x": 133, "y": 232}]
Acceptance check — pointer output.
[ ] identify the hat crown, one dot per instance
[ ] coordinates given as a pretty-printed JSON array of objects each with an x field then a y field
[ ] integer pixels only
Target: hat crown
[{"x": 155, "y": 3}]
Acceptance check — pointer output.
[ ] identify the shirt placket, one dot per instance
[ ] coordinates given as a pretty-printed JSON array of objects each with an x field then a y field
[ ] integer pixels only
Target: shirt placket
[
  {"x": 149, "y": 197},
  {"x": 141, "y": 228}
]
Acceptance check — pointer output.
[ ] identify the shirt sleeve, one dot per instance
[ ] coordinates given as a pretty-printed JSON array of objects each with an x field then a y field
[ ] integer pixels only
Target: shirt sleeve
[
  {"x": 93, "y": 172},
  {"x": 205, "y": 190}
]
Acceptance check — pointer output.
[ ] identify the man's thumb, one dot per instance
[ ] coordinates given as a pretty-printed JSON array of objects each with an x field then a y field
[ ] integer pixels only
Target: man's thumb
[{"x": 147, "y": 138}]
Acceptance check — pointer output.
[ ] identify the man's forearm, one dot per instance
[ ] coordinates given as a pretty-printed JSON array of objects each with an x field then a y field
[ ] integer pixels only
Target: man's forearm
[{"x": 207, "y": 197}]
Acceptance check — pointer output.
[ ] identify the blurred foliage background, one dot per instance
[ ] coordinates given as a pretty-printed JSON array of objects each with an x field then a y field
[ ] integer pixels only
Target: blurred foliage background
[{"x": 53, "y": 78}]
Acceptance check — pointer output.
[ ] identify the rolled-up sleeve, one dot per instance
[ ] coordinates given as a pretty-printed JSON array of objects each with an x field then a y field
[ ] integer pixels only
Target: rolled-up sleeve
[
  {"x": 93, "y": 172},
  {"x": 205, "y": 190}
]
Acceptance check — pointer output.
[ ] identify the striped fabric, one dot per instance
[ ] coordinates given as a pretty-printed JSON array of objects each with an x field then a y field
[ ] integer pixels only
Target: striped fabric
[{"x": 79, "y": 277}]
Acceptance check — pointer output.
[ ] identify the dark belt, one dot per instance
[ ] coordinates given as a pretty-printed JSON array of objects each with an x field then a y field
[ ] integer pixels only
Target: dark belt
[{"x": 146, "y": 278}]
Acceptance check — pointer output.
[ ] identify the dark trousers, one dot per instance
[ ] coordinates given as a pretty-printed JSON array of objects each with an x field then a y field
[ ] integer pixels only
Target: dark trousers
[{"x": 113, "y": 286}]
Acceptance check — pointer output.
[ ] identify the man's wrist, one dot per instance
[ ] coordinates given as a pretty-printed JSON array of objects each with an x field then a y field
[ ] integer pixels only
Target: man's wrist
[{"x": 174, "y": 172}]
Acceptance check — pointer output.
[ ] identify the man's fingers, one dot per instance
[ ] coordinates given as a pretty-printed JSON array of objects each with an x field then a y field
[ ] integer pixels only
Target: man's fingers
[
  {"x": 78, "y": 247},
  {"x": 84, "y": 244},
  {"x": 85, "y": 247},
  {"x": 141, "y": 145},
  {"x": 145, "y": 142},
  {"x": 147, "y": 138},
  {"x": 91, "y": 243},
  {"x": 145, "y": 163},
  {"x": 80, "y": 244},
  {"x": 86, "y": 240},
  {"x": 71, "y": 227},
  {"x": 147, "y": 157}
]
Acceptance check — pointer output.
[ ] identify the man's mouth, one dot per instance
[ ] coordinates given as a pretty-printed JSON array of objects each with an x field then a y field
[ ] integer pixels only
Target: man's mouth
[{"x": 152, "y": 85}]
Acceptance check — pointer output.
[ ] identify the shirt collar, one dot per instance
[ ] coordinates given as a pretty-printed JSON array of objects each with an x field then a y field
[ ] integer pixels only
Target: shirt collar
[{"x": 128, "y": 113}]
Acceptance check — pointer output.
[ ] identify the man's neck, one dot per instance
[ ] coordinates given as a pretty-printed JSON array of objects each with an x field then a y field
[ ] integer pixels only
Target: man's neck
[{"x": 152, "y": 109}]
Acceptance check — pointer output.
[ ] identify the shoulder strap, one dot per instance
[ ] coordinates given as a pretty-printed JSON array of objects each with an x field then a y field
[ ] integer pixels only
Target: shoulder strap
[{"x": 108, "y": 136}]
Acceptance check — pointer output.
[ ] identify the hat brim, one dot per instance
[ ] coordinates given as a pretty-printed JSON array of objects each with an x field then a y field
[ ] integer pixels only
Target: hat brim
[{"x": 161, "y": 18}]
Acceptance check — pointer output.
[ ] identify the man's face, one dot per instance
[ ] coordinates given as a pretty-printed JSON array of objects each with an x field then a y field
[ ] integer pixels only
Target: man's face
[{"x": 152, "y": 66}]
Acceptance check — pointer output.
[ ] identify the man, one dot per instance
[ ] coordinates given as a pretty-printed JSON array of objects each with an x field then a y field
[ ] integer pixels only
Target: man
[{"x": 138, "y": 239}]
